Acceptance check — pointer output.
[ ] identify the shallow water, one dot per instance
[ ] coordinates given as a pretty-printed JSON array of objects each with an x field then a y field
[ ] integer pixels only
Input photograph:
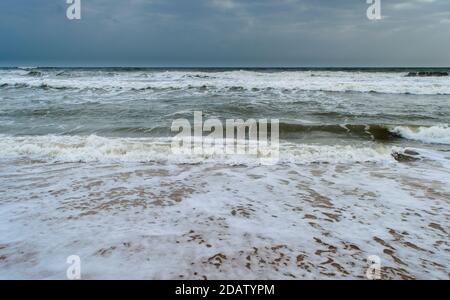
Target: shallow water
[{"x": 86, "y": 169}]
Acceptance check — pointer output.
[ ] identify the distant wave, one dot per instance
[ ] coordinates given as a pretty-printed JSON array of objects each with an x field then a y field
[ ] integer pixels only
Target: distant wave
[
  {"x": 202, "y": 88},
  {"x": 227, "y": 81},
  {"x": 44, "y": 86},
  {"x": 34, "y": 73}
]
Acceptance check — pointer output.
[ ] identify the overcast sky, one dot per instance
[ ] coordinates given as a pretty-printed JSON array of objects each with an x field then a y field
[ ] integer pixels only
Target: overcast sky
[{"x": 225, "y": 33}]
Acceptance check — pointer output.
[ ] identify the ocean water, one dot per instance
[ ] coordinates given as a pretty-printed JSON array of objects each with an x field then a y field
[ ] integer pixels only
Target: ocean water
[{"x": 86, "y": 169}]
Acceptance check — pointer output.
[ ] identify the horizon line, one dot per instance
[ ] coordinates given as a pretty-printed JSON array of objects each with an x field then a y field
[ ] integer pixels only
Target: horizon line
[{"x": 227, "y": 67}]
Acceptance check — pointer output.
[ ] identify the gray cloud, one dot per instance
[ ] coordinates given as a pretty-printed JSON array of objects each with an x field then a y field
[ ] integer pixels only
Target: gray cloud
[{"x": 225, "y": 33}]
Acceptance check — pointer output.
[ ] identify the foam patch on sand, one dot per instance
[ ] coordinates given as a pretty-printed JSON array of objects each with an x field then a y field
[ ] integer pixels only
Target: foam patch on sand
[{"x": 213, "y": 221}]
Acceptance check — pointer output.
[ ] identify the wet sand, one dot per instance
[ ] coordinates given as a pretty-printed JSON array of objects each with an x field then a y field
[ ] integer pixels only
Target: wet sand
[{"x": 211, "y": 221}]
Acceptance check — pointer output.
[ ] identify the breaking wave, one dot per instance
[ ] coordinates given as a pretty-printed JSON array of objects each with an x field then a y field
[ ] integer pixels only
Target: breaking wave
[
  {"x": 94, "y": 148},
  {"x": 234, "y": 81},
  {"x": 431, "y": 135}
]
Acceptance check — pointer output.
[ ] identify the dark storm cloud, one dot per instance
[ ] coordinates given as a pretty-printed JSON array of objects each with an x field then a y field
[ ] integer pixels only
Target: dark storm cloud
[{"x": 225, "y": 33}]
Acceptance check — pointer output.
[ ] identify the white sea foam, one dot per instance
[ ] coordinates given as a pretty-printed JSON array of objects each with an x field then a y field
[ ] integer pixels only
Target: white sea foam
[
  {"x": 379, "y": 82},
  {"x": 95, "y": 148},
  {"x": 318, "y": 213},
  {"x": 161, "y": 221},
  {"x": 432, "y": 135}
]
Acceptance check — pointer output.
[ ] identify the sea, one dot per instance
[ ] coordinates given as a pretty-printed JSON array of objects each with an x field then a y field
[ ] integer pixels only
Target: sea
[{"x": 362, "y": 180}]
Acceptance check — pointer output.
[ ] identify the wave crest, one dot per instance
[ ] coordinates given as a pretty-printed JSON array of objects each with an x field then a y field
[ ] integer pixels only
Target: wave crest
[
  {"x": 431, "y": 135},
  {"x": 237, "y": 81},
  {"x": 101, "y": 149}
]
